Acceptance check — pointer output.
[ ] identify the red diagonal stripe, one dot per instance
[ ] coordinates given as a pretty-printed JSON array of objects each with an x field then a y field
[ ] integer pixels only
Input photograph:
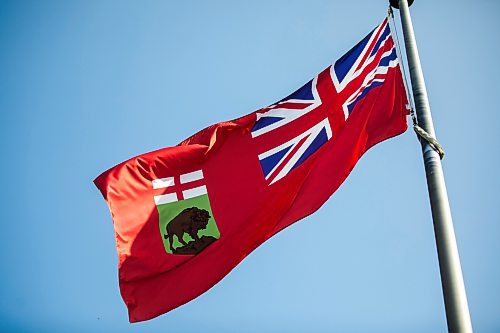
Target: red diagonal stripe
[
  {"x": 374, "y": 41},
  {"x": 287, "y": 158}
]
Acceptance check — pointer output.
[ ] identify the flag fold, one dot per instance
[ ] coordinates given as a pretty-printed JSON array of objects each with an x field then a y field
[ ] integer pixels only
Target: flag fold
[{"x": 184, "y": 216}]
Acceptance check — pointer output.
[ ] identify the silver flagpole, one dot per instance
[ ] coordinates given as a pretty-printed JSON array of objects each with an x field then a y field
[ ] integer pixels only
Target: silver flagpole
[{"x": 455, "y": 299}]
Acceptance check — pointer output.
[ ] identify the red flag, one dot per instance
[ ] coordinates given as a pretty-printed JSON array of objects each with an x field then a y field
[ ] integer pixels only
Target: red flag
[{"x": 184, "y": 216}]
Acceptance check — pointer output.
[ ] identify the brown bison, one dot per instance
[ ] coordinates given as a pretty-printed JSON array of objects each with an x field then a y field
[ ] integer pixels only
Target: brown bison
[{"x": 189, "y": 221}]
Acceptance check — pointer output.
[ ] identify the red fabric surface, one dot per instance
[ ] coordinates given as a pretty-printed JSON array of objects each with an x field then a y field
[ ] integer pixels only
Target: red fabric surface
[{"x": 247, "y": 210}]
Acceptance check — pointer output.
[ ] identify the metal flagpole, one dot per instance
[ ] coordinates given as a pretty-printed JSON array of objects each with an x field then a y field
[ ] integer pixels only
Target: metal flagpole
[{"x": 455, "y": 299}]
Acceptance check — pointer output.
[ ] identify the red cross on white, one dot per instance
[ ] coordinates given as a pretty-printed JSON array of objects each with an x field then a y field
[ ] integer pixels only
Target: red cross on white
[{"x": 179, "y": 187}]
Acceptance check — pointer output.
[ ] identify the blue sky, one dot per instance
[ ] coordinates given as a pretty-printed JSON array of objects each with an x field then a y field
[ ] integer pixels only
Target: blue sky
[{"x": 85, "y": 85}]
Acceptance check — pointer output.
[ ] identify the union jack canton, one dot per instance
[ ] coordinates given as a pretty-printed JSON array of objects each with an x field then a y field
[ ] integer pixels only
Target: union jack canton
[{"x": 292, "y": 130}]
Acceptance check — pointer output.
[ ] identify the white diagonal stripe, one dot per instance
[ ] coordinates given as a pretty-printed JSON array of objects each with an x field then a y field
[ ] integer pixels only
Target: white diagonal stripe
[
  {"x": 194, "y": 192},
  {"x": 352, "y": 73},
  {"x": 163, "y": 182},
  {"x": 311, "y": 133},
  {"x": 191, "y": 176},
  {"x": 288, "y": 115},
  {"x": 165, "y": 198}
]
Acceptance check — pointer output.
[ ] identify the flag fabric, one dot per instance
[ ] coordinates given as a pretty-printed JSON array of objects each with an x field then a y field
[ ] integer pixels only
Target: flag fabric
[{"x": 184, "y": 216}]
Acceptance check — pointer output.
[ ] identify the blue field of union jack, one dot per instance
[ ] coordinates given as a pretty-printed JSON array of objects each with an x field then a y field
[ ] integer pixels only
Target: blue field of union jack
[{"x": 350, "y": 79}]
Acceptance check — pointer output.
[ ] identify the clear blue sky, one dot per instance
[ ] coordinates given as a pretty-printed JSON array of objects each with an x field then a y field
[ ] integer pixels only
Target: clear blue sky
[{"x": 85, "y": 85}]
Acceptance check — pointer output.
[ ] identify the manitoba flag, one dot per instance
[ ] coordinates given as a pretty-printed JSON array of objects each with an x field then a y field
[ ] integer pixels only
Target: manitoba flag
[{"x": 185, "y": 216}]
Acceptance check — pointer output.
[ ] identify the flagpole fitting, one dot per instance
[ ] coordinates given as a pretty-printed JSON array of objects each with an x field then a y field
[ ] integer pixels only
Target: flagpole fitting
[{"x": 395, "y": 3}]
